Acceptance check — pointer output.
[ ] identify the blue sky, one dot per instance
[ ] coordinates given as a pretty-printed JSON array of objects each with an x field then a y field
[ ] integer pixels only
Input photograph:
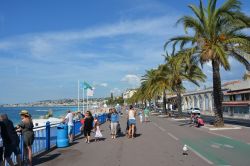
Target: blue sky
[{"x": 46, "y": 46}]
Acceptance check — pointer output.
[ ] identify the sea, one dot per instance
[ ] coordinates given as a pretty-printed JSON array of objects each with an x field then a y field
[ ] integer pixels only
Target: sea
[{"x": 36, "y": 112}]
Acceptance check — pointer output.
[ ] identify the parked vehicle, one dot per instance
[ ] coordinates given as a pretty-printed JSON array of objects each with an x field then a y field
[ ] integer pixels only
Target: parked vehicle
[{"x": 193, "y": 111}]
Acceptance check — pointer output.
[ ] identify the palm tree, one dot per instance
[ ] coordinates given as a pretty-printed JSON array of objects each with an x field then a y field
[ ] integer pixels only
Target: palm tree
[
  {"x": 179, "y": 68},
  {"x": 155, "y": 84},
  {"x": 217, "y": 33}
]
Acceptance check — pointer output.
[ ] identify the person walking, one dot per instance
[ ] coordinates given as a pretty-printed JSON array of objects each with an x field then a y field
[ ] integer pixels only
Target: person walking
[
  {"x": 14, "y": 138},
  {"x": 114, "y": 118},
  {"x": 131, "y": 122},
  {"x": 146, "y": 114},
  {"x": 88, "y": 125},
  {"x": 26, "y": 127},
  {"x": 98, "y": 133},
  {"x": 69, "y": 120},
  {"x": 140, "y": 116},
  {"x": 4, "y": 140}
]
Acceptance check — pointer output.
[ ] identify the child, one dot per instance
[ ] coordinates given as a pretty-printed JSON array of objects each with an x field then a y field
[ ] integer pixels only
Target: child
[
  {"x": 98, "y": 133},
  {"x": 141, "y": 116}
]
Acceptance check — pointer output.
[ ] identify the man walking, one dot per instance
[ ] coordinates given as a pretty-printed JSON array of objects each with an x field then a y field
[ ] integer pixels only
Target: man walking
[
  {"x": 69, "y": 120},
  {"x": 14, "y": 146}
]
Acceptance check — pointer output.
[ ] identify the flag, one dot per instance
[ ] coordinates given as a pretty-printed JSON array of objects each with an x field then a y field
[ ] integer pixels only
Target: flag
[
  {"x": 85, "y": 85},
  {"x": 90, "y": 92}
]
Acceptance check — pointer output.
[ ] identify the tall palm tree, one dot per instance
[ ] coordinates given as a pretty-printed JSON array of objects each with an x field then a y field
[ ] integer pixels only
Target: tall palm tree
[
  {"x": 179, "y": 68},
  {"x": 216, "y": 34}
]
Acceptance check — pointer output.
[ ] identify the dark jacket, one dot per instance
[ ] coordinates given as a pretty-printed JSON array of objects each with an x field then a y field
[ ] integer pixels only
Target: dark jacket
[
  {"x": 4, "y": 135},
  {"x": 12, "y": 132}
]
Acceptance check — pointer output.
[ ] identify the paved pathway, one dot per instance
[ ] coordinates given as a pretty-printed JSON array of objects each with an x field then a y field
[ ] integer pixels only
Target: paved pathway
[
  {"x": 216, "y": 148},
  {"x": 152, "y": 147}
]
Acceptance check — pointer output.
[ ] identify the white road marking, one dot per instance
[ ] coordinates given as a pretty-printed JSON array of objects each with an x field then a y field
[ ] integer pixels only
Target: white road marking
[
  {"x": 220, "y": 135},
  {"x": 228, "y": 146},
  {"x": 161, "y": 128},
  {"x": 215, "y": 146},
  {"x": 201, "y": 156},
  {"x": 174, "y": 137}
]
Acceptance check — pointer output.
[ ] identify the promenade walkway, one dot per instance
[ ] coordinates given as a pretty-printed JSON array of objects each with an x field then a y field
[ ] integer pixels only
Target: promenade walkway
[
  {"x": 159, "y": 143},
  {"x": 150, "y": 148}
]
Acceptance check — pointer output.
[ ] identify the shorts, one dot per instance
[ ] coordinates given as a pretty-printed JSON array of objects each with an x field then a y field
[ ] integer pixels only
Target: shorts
[
  {"x": 131, "y": 122},
  {"x": 86, "y": 132},
  {"x": 12, "y": 148},
  {"x": 70, "y": 130},
  {"x": 28, "y": 138}
]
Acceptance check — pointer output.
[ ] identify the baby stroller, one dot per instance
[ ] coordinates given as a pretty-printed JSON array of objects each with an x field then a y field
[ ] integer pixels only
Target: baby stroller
[{"x": 118, "y": 128}]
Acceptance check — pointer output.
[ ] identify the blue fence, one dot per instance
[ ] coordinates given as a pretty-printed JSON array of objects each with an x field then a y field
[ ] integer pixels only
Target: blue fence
[{"x": 45, "y": 137}]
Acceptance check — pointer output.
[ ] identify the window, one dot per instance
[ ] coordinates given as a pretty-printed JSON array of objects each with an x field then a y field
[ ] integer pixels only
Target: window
[
  {"x": 232, "y": 98},
  {"x": 247, "y": 96},
  {"x": 226, "y": 98}
]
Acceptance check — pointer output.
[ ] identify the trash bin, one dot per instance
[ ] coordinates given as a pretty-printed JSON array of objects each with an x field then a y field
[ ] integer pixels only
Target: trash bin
[{"x": 62, "y": 136}]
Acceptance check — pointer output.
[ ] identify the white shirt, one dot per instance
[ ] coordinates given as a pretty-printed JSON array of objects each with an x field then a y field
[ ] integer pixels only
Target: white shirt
[
  {"x": 69, "y": 118},
  {"x": 131, "y": 114}
]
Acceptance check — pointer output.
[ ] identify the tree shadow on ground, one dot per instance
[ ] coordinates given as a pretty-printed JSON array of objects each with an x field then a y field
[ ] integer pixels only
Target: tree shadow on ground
[{"x": 42, "y": 159}]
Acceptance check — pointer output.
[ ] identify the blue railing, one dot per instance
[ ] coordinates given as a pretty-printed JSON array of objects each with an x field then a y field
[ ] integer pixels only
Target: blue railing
[{"x": 45, "y": 137}]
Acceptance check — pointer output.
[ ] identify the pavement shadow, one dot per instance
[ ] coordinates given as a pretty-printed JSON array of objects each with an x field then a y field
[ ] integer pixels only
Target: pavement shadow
[
  {"x": 81, "y": 137},
  {"x": 73, "y": 143},
  {"x": 42, "y": 159},
  {"x": 184, "y": 124},
  {"x": 100, "y": 139},
  {"x": 138, "y": 134},
  {"x": 121, "y": 135}
]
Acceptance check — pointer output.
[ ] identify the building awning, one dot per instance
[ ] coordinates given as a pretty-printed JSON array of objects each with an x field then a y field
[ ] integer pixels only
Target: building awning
[
  {"x": 236, "y": 92},
  {"x": 236, "y": 103}
]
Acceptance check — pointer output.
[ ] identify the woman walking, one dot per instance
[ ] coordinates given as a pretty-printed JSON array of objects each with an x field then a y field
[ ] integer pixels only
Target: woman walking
[
  {"x": 88, "y": 125},
  {"x": 26, "y": 127},
  {"x": 131, "y": 122},
  {"x": 114, "y": 118}
]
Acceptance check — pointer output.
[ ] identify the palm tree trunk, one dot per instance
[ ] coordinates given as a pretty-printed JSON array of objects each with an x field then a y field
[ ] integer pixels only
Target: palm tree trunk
[
  {"x": 217, "y": 93},
  {"x": 164, "y": 102},
  {"x": 179, "y": 101}
]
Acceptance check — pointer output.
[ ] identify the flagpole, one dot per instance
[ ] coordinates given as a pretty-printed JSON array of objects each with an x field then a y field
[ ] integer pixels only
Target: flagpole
[
  {"x": 87, "y": 102},
  {"x": 83, "y": 99},
  {"x": 78, "y": 96}
]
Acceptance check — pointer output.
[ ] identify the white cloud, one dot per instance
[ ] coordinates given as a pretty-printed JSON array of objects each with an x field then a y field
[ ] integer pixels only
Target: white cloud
[
  {"x": 104, "y": 84},
  {"x": 132, "y": 79},
  {"x": 116, "y": 91}
]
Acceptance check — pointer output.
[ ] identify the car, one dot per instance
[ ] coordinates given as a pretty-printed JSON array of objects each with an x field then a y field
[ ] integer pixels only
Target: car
[{"x": 193, "y": 111}]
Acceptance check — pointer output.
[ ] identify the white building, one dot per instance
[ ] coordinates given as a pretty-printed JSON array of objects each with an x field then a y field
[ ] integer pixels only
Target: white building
[
  {"x": 128, "y": 93},
  {"x": 236, "y": 99}
]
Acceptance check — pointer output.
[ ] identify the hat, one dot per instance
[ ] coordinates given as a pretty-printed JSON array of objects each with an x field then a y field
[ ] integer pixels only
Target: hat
[{"x": 24, "y": 112}]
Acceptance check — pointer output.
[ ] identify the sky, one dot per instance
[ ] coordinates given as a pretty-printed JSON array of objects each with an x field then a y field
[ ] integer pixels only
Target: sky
[{"x": 46, "y": 46}]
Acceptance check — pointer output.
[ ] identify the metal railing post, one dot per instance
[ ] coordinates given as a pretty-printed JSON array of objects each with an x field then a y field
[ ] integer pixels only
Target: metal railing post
[
  {"x": 74, "y": 128},
  {"x": 47, "y": 135}
]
